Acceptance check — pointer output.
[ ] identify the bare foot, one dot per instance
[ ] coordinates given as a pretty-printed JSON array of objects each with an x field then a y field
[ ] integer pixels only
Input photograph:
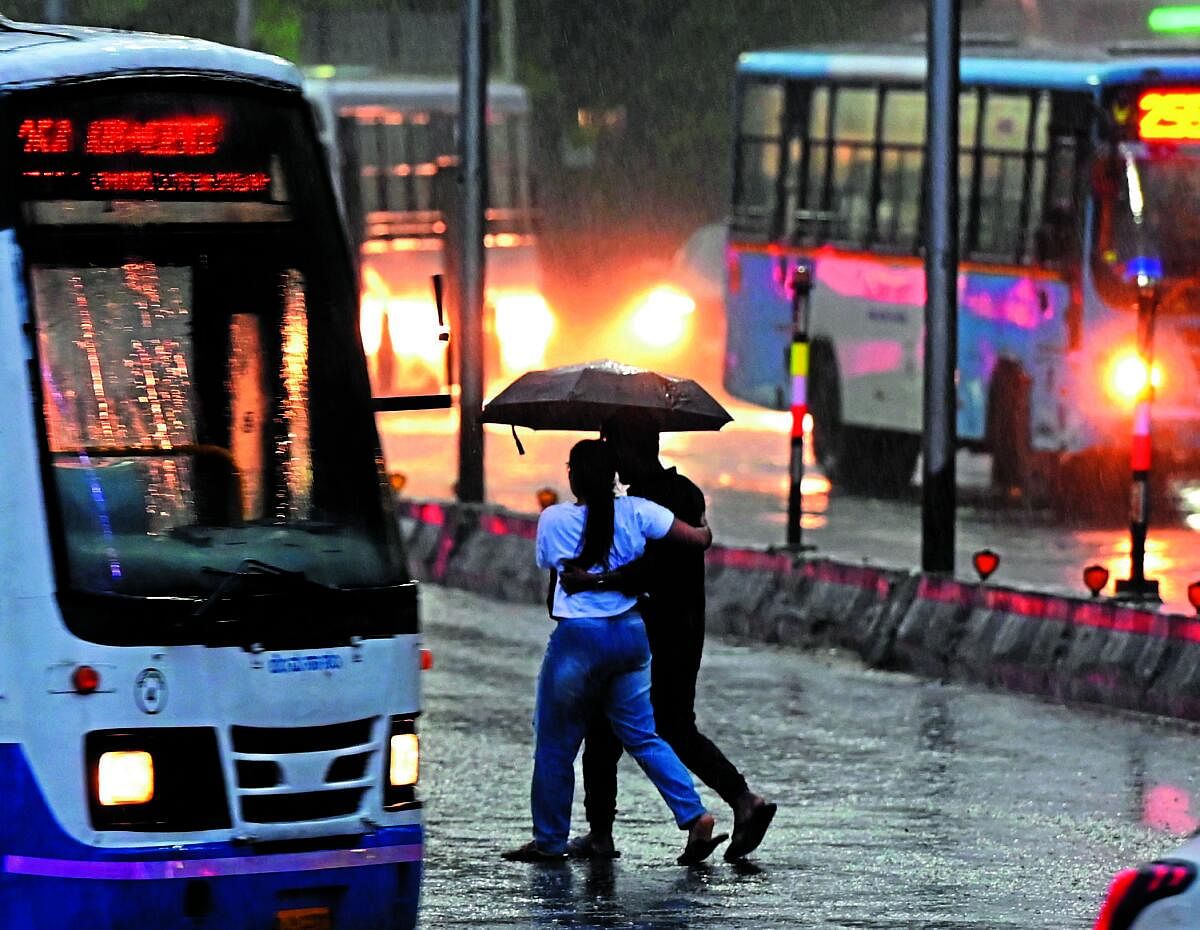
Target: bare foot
[{"x": 700, "y": 841}]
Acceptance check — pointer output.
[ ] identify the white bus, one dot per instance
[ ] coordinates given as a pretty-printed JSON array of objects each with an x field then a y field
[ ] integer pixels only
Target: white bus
[
  {"x": 392, "y": 144},
  {"x": 209, "y": 674}
]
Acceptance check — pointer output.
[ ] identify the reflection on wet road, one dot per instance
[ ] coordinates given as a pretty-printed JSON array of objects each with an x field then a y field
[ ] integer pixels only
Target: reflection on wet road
[
  {"x": 743, "y": 470},
  {"x": 903, "y": 803}
]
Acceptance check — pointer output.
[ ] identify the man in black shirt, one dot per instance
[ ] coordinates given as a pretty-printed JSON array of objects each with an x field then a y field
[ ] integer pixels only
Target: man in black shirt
[{"x": 670, "y": 582}]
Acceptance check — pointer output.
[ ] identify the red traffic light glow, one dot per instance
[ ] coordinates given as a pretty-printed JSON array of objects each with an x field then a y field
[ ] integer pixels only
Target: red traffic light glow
[
  {"x": 986, "y": 562},
  {"x": 1095, "y": 578},
  {"x": 1194, "y": 595}
]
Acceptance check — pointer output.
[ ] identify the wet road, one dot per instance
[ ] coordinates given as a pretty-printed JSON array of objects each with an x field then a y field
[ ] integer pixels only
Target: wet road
[
  {"x": 904, "y": 803},
  {"x": 743, "y": 470}
]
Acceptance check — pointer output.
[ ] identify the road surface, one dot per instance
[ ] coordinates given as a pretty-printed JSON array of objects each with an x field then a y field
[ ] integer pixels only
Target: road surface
[{"x": 903, "y": 803}]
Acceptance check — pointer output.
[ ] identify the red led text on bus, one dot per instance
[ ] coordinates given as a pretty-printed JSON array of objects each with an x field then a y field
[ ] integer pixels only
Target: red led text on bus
[
  {"x": 46, "y": 136},
  {"x": 178, "y": 135},
  {"x": 168, "y": 137},
  {"x": 1169, "y": 115},
  {"x": 180, "y": 182}
]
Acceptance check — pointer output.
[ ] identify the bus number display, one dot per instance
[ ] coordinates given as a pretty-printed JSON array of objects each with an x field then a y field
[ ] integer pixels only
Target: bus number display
[
  {"x": 1169, "y": 116},
  {"x": 112, "y": 156}
]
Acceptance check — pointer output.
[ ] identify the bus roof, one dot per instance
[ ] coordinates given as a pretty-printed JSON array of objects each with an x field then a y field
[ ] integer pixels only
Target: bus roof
[
  {"x": 1042, "y": 65},
  {"x": 425, "y": 92},
  {"x": 34, "y": 55}
]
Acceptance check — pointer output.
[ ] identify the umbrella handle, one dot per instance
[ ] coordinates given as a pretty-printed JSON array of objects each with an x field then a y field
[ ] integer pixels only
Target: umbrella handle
[{"x": 517, "y": 440}]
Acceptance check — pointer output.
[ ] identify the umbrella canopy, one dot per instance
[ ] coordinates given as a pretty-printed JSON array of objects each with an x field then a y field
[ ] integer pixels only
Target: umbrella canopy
[{"x": 583, "y": 397}]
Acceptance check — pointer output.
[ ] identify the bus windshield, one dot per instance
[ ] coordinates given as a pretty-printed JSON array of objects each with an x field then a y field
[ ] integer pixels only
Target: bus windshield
[
  {"x": 203, "y": 393},
  {"x": 1149, "y": 223}
]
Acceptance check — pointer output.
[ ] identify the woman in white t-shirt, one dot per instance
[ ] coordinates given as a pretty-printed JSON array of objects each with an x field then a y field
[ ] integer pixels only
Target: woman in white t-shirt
[{"x": 598, "y": 655}]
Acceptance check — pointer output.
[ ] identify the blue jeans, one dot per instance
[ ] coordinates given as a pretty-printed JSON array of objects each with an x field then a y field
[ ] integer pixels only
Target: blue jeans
[{"x": 590, "y": 662}]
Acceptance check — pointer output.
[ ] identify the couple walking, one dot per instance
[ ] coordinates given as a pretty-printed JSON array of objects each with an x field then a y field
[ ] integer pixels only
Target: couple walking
[{"x": 627, "y": 590}]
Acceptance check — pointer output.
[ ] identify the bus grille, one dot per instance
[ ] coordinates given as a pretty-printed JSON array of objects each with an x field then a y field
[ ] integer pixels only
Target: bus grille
[{"x": 297, "y": 774}]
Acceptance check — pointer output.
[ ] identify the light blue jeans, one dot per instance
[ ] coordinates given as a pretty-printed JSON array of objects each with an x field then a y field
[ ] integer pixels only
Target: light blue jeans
[{"x": 591, "y": 661}]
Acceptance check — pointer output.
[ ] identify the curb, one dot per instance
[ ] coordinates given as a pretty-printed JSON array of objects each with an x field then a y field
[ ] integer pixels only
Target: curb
[{"x": 1068, "y": 649}]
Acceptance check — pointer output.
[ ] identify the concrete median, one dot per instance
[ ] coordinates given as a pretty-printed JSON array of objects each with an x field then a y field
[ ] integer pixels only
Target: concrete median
[{"x": 1069, "y": 649}]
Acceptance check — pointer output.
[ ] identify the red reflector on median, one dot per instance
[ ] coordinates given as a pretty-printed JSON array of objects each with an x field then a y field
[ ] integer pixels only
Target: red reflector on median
[{"x": 426, "y": 660}]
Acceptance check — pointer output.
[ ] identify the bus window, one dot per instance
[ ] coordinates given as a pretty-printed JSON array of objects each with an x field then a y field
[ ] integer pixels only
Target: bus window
[
  {"x": 898, "y": 217},
  {"x": 968, "y": 141},
  {"x": 819, "y": 162},
  {"x": 1011, "y": 171},
  {"x": 1146, "y": 200},
  {"x": 760, "y": 139},
  {"x": 194, "y": 407},
  {"x": 853, "y": 162}
]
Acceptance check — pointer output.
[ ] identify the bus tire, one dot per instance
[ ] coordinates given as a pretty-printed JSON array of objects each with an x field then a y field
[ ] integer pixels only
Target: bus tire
[
  {"x": 855, "y": 458},
  {"x": 1008, "y": 430}
]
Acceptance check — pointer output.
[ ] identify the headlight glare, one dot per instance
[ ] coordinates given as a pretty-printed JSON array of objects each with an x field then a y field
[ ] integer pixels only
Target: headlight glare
[
  {"x": 404, "y": 765},
  {"x": 125, "y": 777}
]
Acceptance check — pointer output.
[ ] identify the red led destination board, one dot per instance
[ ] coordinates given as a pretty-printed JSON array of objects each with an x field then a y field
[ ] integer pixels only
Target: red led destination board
[
  {"x": 143, "y": 146},
  {"x": 1169, "y": 115}
]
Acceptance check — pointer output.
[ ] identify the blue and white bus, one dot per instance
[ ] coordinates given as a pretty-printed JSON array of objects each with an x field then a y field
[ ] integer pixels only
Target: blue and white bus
[
  {"x": 209, "y": 674},
  {"x": 1078, "y": 167}
]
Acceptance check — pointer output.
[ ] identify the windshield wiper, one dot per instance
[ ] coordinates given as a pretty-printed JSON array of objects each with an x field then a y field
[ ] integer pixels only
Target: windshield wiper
[{"x": 252, "y": 573}]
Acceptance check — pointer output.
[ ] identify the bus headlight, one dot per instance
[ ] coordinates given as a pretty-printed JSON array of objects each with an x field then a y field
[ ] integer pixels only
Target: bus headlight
[
  {"x": 125, "y": 777},
  {"x": 404, "y": 766},
  {"x": 403, "y": 763},
  {"x": 661, "y": 316},
  {"x": 524, "y": 325},
  {"x": 1127, "y": 376},
  {"x": 159, "y": 779}
]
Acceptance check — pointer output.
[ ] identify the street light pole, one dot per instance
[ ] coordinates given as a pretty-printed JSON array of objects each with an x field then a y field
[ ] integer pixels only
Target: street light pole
[
  {"x": 940, "y": 439},
  {"x": 55, "y": 11},
  {"x": 244, "y": 25},
  {"x": 471, "y": 256}
]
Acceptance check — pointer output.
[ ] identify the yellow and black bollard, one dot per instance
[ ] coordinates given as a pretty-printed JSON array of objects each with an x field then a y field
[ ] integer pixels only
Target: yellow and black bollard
[{"x": 802, "y": 285}]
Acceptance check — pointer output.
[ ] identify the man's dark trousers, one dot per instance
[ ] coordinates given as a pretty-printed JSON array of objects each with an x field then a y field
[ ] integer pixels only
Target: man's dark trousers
[{"x": 673, "y": 612}]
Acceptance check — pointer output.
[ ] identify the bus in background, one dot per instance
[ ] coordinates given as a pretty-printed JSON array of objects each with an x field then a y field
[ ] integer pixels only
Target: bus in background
[
  {"x": 392, "y": 143},
  {"x": 1079, "y": 169},
  {"x": 211, "y": 660}
]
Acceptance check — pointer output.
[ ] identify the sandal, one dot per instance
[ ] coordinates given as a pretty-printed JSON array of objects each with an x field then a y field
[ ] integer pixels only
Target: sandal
[
  {"x": 748, "y": 831},
  {"x": 530, "y": 853},
  {"x": 701, "y": 842}
]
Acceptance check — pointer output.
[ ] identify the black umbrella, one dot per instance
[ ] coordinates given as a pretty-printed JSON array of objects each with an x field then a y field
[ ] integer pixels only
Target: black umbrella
[{"x": 583, "y": 397}]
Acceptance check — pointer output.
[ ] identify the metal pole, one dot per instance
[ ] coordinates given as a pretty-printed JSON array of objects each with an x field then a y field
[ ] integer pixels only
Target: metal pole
[
  {"x": 472, "y": 164},
  {"x": 1137, "y": 587},
  {"x": 939, "y": 441},
  {"x": 508, "y": 40},
  {"x": 244, "y": 25},
  {"x": 801, "y": 291},
  {"x": 55, "y": 11}
]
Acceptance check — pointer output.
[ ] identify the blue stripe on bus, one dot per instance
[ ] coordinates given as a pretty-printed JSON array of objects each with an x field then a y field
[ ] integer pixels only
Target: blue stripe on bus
[
  {"x": 50, "y": 880},
  {"x": 1009, "y": 72}
]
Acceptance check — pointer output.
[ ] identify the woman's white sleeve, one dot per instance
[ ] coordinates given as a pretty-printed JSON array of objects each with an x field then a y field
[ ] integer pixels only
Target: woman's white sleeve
[
  {"x": 654, "y": 519},
  {"x": 542, "y": 547}
]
